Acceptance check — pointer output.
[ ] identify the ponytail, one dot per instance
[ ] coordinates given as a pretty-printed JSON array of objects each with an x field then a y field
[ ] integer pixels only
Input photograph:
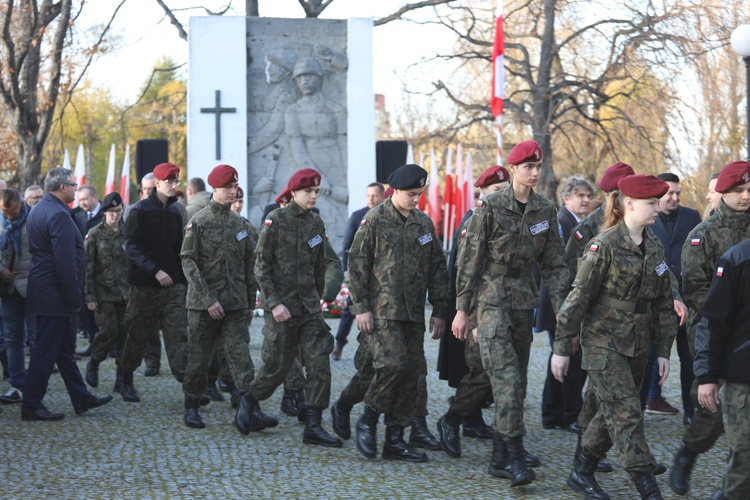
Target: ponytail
[{"x": 614, "y": 212}]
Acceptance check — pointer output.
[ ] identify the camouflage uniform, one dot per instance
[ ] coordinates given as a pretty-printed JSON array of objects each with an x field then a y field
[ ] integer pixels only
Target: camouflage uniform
[
  {"x": 290, "y": 270},
  {"x": 393, "y": 262},
  {"x": 703, "y": 247},
  {"x": 107, "y": 285},
  {"x": 501, "y": 245},
  {"x": 619, "y": 301},
  {"x": 218, "y": 259}
]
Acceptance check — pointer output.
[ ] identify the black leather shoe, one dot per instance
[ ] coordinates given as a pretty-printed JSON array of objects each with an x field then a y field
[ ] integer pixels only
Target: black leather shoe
[
  {"x": 85, "y": 353},
  {"x": 367, "y": 433},
  {"x": 420, "y": 436},
  {"x": 341, "y": 420},
  {"x": 682, "y": 468},
  {"x": 573, "y": 428},
  {"x": 395, "y": 448},
  {"x": 499, "y": 463},
  {"x": 40, "y": 415},
  {"x": 449, "y": 427},
  {"x": 193, "y": 418},
  {"x": 250, "y": 418},
  {"x": 151, "y": 371},
  {"x": 92, "y": 373},
  {"x": 92, "y": 402},
  {"x": 480, "y": 432},
  {"x": 604, "y": 467},
  {"x": 224, "y": 386},
  {"x": 289, "y": 404},
  {"x": 659, "y": 469},
  {"x": 213, "y": 393},
  {"x": 314, "y": 433}
]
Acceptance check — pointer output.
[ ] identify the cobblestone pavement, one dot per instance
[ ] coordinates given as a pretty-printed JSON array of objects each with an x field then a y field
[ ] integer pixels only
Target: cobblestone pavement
[{"x": 127, "y": 450}]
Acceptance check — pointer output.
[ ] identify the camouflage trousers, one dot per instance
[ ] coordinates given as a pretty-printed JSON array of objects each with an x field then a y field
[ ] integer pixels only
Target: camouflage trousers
[
  {"x": 355, "y": 390},
  {"x": 308, "y": 335},
  {"x": 150, "y": 308},
  {"x": 616, "y": 380},
  {"x": 475, "y": 386},
  {"x": 218, "y": 368},
  {"x": 152, "y": 356},
  {"x": 735, "y": 398},
  {"x": 397, "y": 349},
  {"x": 295, "y": 380},
  {"x": 206, "y": 336},
  {"x": 706, "y": 428},
  {"x": 110, "y": 317},
  {"x": 505, "y": 343}
]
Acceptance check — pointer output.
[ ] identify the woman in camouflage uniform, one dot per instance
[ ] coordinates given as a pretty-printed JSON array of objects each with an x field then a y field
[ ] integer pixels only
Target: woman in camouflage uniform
[{"x": 621, "y": 298}]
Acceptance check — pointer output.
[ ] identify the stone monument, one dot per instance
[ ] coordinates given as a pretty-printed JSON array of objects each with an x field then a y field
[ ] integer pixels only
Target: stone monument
[{"x": 270, "y": 96}]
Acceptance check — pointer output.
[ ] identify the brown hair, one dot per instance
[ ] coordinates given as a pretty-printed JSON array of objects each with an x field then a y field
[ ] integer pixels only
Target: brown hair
[
  {"x": 614, "y": 212},
  {"x": 9, "y": 197}
]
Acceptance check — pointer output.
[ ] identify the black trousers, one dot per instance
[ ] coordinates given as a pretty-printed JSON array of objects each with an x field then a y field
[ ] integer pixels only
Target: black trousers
[{"x": 562, "y": 402}]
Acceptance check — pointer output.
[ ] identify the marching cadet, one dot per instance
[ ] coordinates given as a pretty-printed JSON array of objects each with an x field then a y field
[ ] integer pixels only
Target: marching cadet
[
  {"x": 394, "y": 260},
  {"x": 729, "y": 226},
  {"x": 217, "y": 259},
  {"x": 510, "y": 231},
  {"x": 107, "y": 287},
  {"x": 622, "y": 298},
  {"x": 722, "y": 353},
  {"x": 290, "y": 270}
]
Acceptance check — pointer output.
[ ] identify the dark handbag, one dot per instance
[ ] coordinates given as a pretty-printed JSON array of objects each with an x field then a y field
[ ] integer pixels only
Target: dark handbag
[{"x": 7, "y": 289}]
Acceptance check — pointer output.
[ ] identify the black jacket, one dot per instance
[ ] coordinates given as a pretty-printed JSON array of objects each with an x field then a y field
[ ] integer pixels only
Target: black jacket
[
  {"x": 85, "y": 226},
  {"x": 153, "y": 239},
  {"x": 722, "y": 338},
  {"x": 687, "y": 219},
  {"x": 351, "y": 227}
]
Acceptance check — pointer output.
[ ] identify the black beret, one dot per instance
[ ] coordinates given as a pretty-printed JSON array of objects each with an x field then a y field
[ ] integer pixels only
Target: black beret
[
  {"x": 408, "y": 177},
  {"x": 112, "y": 200}
]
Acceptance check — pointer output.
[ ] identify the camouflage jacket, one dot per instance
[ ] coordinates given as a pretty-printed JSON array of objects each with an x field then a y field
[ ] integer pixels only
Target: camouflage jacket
[
  {"x": 394, "y": 263},
  {"x": 290, "y": 260},
  {"x": 499, "y": 235},
  {"x": 218, "y": 258},
  {"x": 334, "y": 274},
  {"x": 704, "y": 245},
  {"x": 106, "y": 264},
  {"x": 614, "y": 269}
]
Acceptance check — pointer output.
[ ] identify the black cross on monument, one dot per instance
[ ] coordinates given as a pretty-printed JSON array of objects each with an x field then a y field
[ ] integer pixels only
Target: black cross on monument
[{"x": 218, "y": 110}]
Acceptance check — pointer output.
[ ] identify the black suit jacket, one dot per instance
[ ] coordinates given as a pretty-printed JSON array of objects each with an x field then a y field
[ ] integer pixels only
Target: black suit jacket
[
  {"x": 687, "y": 219},
  {"x": 351, "y": 227},
  {"x": 85, "y": 226},
  {"x": 545, "y": 315}
]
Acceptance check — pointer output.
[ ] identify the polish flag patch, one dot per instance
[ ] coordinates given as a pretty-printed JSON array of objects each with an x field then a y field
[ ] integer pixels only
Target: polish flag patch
[
  {"x": 695, "y": 242},
  {"x": 578, "y": 235},
  {"x": 363, "y": 222},
  {"x": 480, "y": 203},
  {"x": 593, "y": 248},
  {"x": 267, "y": 222},
  {"x": 719, "y": 271},
  {"x": 86, "y": 238},
  {"x": 189, "y": 227},
  {"x": 463, "y": 233}
]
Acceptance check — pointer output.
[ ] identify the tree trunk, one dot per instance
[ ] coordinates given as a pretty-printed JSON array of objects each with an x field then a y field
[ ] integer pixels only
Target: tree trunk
[
  {"x": 251, "y": 8},
  {"x": 542, "y": 120},
  {"x": 29, "y": 155}
]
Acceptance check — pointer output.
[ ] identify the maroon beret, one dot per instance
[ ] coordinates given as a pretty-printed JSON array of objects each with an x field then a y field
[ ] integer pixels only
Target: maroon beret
[
  {"x": 239, "y": 194},
  {"x": 614, "y": 174},
  {"x": 737, "y": 172},
  {"x": 222, "y": 175},
  {"x": 388, "y": 193},
  {"x": 642, "y": 186},
  {"x": 179, "y": 193},
  {"x": 285, "y": 196},
  {"x": 304, "y": 178},
  {"x": 166, "y": 171},
  {"x": 525, "y": 151},
  {"x": 493, "y": 175}
]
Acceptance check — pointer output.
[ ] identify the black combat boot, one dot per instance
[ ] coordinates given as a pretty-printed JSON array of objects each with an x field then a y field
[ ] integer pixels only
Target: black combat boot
[
  {"x": 367, "y": 427},
  {"x": 718, "y": 495},
  {"x": 582, "y": 477},
  {"x": 645, "y": 483},
  {"x": 288, "y": 403},
  {"x": 299, "y": 401},
  {"x": 92, "y": 373},
  {"x": 340, "y": 419},
  {"x": 499, "y": 463},
  {"x": 395, "y": 448},
  {"x": 118, "y": 380},
  {"x": 192, "y": 414},
  {"x": 449, "y": 428},
  {"x": 235, "y": 397},
  {"x": 517, "y": 462},
  {"x": 602, "y": 467},
  {"x": 315, "y": 433},
  {"x": 128, "y": 391},
  {"x": 682, "y": 467},
  {"x": 250, "y": 418},
  {"x": 213, "y": 393},
  {"x": 531, "y": 460},
  {"x": 420, "y": 436},
  {"x": 475, "y": 426}
]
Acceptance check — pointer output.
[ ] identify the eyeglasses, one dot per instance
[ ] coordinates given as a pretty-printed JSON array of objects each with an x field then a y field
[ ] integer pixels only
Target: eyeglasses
[
  {"x": 71, "y": 184},
  {"x": 173, "y": 182}
]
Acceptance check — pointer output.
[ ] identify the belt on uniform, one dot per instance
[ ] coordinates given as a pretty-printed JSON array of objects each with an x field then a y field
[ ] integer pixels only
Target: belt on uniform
[
  {"x": 510, "y": 272},
  {"x": 623, "y": 305}
]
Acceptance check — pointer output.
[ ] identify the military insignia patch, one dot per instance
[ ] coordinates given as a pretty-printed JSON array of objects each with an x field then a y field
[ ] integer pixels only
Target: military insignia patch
[
  {"x": 745, "y": 178},
  {"x": 189, "y": 227},
  {"x": 463, "y": 233},
  {"x": 480, "y": 203},
  {"x": 86, "y": 238},
  {"x": 578, "y": 235},
  {"x": 719, "y": 271},
  {"x": 593, "y": 248},
  {"x": 363, "y": 222},
  {"x": 694, "y": 242},
  {"x": 267, "y": 222}
]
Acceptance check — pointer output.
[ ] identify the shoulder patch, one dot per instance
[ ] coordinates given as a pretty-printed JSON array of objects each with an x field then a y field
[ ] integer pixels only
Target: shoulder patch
[
  {"x": 363, "y": 222},
  {"x": 189, "y": 227},
  {"x": 480, "y": 203},
  {"x": 578, "y": 235},
  {"x": 86, "y": 237},
  {"x": 463, "y": 233},
  {"x": 267, "y": 222},
  {"x": 593, "y": 248},
  {"x": 559, "y": 230},
  {"x": 719, "y": 271},
  {"x": 694, "y": 242}
]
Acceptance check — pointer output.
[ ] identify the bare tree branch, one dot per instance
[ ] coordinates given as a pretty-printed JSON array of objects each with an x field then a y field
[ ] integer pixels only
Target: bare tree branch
[{"x": 406, "y": 8}]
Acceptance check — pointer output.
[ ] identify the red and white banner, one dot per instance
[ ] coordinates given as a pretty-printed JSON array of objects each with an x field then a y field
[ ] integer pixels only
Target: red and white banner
[
  {"x": 109, "y": 185},
  {"x": 433, "y": 194},
  {"x": 79, "y": 173},
  {"x": 125, "y": 178},
  {"x": 498, "y": 79}
]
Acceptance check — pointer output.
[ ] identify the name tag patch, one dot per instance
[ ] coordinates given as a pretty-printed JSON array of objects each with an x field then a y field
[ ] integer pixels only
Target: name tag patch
[
  {"x": 539, "y": 228},
  {"x": 241, "y": 235},
  {"x": 425, "y": 239},
  {"x": 661, "y": 268},
  {"x": 315, "y": 241}
]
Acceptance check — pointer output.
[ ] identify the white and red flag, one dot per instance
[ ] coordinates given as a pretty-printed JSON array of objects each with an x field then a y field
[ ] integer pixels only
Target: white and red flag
[
  {"x": 79, "y": 173},
  {"x": 498, "y": 79},
  {"x": 109, "y": 185},
  {"x": 433, "y": 194},
  {"x": 125, "y": 178}
]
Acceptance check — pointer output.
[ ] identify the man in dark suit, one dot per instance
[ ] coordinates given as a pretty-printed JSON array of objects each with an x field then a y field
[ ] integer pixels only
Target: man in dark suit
[
  {"x": 375, "y": 193},
  {"x": 672, "y": 227},
  {"x": 562, "y": 402},
  {"x": 55, "y": 295},
  {"x": 88, "y": 216}
]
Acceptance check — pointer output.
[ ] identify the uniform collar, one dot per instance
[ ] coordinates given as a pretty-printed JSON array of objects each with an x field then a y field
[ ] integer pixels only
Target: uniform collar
[
  {"x": 509, "y": 200},
  {"x": 730, "y": 218},
  {"x": 218, "y": 208},
  {"x": 297, "y": 210}
]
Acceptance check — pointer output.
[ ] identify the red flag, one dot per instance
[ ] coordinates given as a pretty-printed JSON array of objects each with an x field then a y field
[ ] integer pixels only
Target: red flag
[
  {"x": 422, "y": 201},
  {"x": 447, "y": 209},
  {"x": 433, "y": 194},
  {"x": 498, "y": 76}
]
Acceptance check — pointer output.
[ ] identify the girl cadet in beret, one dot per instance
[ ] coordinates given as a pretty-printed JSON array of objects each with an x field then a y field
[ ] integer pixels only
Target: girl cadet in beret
[{"x": 621, "y": 298}]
